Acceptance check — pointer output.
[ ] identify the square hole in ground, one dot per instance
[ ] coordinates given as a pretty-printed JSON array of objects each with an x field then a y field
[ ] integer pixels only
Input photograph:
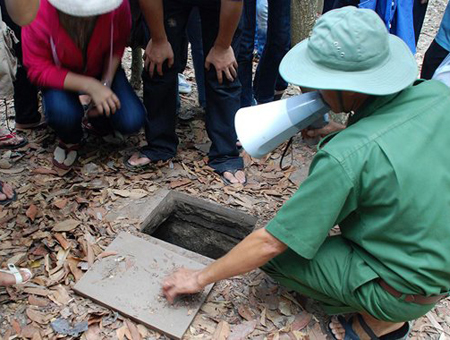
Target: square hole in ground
[{"x": 198, "y": 225}]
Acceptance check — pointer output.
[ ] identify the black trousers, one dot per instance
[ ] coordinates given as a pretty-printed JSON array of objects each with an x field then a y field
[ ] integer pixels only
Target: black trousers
[
  {"x": 26, "y": 103},
  {"x": 222, "y": 100},
  {"x": 433, "y": 58}
]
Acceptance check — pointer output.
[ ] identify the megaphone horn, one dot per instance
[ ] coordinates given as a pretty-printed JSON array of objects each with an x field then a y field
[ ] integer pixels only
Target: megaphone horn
[{"x": 262, "y": 128}]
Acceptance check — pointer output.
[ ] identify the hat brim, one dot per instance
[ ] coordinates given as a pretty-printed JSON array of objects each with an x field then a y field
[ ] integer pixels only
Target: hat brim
[
  {"x": 85, "y": 9},
  {"x": 395, "y": 74}
]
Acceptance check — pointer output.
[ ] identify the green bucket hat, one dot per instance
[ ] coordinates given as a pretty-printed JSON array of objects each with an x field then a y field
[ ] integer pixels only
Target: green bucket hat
[{"x": 350, "y": 49}]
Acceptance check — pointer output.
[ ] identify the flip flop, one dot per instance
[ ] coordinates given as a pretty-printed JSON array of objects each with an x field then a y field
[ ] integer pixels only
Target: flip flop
[
  {"x": 136, "y": 168},
  {"x": 400, "y": 334},
  {"x": 16, "y": 272},
  {"x": 12, "y": 146},
  {"x": 8, "y": 200},
  {"x": 63, "y": 149},
  {"x": 226, "y": 181}
]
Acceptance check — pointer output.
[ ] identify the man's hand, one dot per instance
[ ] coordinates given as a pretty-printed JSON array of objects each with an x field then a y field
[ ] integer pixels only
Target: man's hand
[
  {"x": 156, "y": 53},
  {"x": 183, "y": 281},
  {"x": 326, "y": 130},
  {"x": 224, "y": 61}
]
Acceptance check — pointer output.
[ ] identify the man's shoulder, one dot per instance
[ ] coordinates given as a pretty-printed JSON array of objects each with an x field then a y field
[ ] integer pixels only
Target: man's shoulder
[{"x": 426, "y": 98}]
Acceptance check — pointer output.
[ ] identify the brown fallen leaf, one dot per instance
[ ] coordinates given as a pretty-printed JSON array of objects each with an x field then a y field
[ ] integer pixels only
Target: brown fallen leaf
[
  {"x": 90, "y": 255},
  {"x": 123, "y": 332},
  {"x": 93, "y": 332},
  {"x": 37, "y": 301},
  {"x": 246, "y": 313},
  {"x": 179, "y": 183},
  {"x": 60, "y": 204},
  {"x": 66, "y": 225},
  {"x": 39, "y": 317},
  {"x": 12, "y": 171},
  {"x": 73, "y": 266},
  {"x": 222, "y": 331},
  {"x": 107, "y": 253},
  {"x": 62, "y": 241},
  {"x": 37, "y": 291},
  {"x": 241, "y": 331},
  {"x": 37, "y": 336},
  {"x": 31, "y": 212},
  {"x": 134, "y": 194},
  {"x": 142, "y": 331},
  {"x": 15, "y": 324},
  {"x": 60, "y": 295},
  {"x": 135, "y": 335},
  {"x": 44, "y": 171},
  {"x": 28, "y": 331},
  {"x": 301, "y": 321}
]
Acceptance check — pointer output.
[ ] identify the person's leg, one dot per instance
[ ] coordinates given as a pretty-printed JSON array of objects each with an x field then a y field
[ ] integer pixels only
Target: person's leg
[
  {"x": 64, "y": 113},
  {"x": 194, "y": 32},
  {"x": 131, "y": 116},
  {"x": 277, "y": 45},
  {"x": 419, "y": 11},
  {"x": 26, "y": 104},
  {"x": 339, "y": 279},
  {"x": 160, "y": 93},
  {"x": 222, "y": 102},
  {"x": 246, "y": 48},
  {"x": 432, "y": 59},
  {"x": 262, "y": 11}
]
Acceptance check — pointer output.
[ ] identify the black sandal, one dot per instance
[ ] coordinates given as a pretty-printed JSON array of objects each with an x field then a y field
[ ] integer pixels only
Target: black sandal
[
  {"x": 233, "y": 172},
  {"x": 400, "y": 334},
  {"x": 136, "y": 168}
]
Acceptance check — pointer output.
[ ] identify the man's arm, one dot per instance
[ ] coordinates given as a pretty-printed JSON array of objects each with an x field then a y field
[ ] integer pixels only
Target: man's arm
[
  {"x": 22, "y": 12},
  {"x": 158, "y": 49},
  {"x": 221, "y": 55},
  {"x": 253, "y": 252}
]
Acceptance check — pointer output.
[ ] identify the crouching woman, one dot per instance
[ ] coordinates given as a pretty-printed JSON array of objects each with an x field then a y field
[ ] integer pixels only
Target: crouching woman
[{"x": 75, "y": 47}]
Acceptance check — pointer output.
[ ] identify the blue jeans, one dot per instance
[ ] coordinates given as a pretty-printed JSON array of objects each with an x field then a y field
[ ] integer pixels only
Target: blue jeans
[
  {"x": 246, "y": 48},
  {"x": 222, "y": 100},
  {"x": 267, "y": 78},
  {"x": 262, "y": 12},
  {"x": 64, "y": 111}
]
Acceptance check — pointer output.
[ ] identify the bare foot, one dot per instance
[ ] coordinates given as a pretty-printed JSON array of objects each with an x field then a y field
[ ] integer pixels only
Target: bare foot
[
  {"x": 7, "y": 192},
  {"x": 136, "y": 160},
  {"x": 378, "y": 327},
  {"x": 9, "y": 279},
  {"x": 238, "y": 177}
]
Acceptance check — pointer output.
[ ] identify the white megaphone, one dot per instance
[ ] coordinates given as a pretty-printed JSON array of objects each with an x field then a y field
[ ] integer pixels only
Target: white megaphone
[{"x": 263, "y": 128}]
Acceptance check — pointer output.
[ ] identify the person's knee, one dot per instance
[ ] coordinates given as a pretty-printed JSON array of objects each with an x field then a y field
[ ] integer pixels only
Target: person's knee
[
  {"x": 62, "y": 114},
  {"x": 133, "y": 117}
]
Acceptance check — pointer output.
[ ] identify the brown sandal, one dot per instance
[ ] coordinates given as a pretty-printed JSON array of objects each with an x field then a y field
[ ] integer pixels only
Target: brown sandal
[{"x": 65, "y": 156}]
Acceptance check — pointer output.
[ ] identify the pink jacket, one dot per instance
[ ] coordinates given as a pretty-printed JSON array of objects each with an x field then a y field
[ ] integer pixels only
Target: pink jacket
[{"x": 49, "y": 53}]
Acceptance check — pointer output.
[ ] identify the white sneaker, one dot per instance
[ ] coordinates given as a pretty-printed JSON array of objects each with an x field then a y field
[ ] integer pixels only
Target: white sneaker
[{"x": 183, "y": 86}]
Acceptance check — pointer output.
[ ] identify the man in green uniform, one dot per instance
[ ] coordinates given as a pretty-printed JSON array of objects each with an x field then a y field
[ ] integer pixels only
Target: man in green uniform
[{"x": 385, "y": 180}]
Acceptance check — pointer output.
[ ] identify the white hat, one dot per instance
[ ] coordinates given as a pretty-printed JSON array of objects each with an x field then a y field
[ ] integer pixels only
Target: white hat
[{"x": 85, "y": 8}]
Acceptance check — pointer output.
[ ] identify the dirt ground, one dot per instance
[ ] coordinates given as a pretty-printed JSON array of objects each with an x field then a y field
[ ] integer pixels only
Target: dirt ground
[{"x": 58, "y": 228}]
